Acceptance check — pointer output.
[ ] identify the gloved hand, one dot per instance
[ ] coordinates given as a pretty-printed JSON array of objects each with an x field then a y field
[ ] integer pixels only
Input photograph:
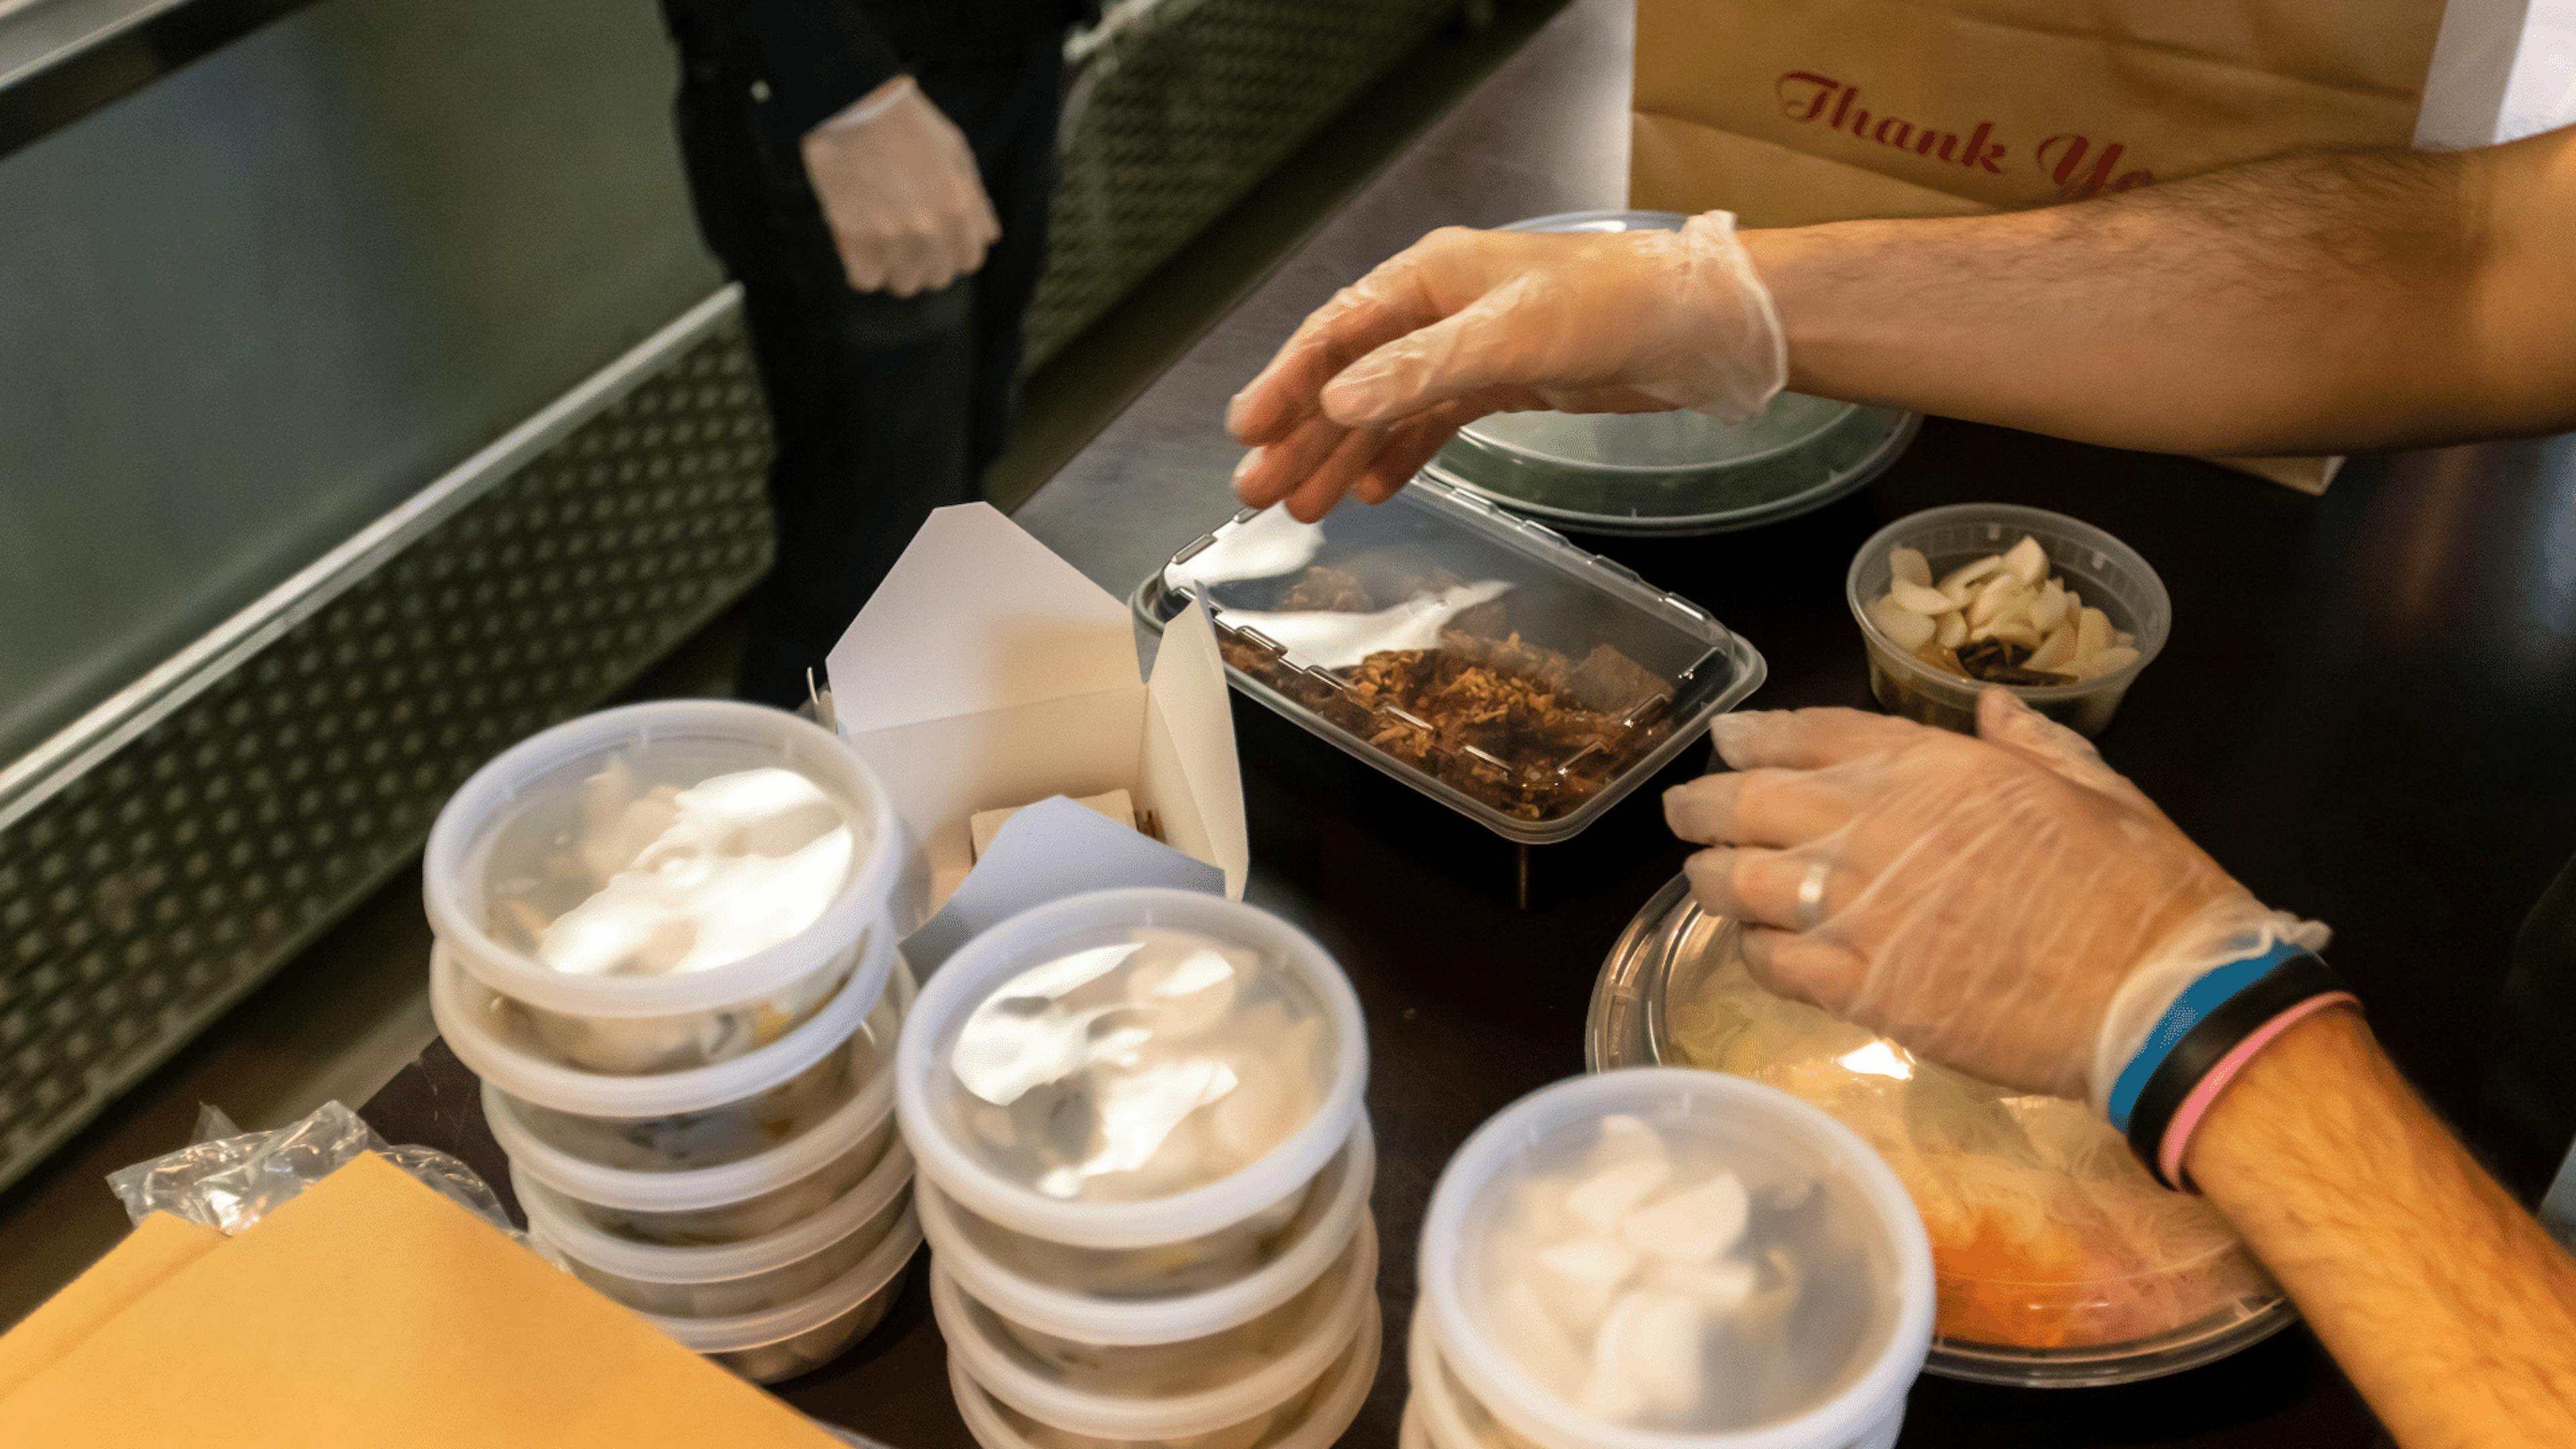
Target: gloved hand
[
  {"x": 2007, "y": 905},
  {"x": 901, "y": 193},
  {"x": 1465, "y": 323}
]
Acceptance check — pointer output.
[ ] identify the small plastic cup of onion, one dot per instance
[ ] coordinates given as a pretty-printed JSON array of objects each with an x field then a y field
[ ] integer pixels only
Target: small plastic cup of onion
[{"x": 1954, "y": 601}]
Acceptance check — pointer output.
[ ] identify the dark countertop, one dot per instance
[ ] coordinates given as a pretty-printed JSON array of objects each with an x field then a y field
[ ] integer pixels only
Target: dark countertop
[{"x": 2364, "y": 712}]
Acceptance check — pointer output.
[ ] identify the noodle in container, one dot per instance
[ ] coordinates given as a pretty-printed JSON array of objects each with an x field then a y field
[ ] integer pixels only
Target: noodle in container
[{"x": 2058, "y": 1261}]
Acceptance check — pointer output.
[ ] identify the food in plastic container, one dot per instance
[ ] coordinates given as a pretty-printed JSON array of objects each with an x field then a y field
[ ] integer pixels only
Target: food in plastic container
[
  {"x": 1131, "y": 1068},
  {"x": 703, "y": 1117},
  {"x": 727, "y": 1203},
  {"x": 1479, "y": 658},
  {"x": 2000, "y": 619},
  {"x": 1153, "y": 1294},
  {"x": 2058, "y": 1260},
  {"x": 2046, "y": 1231},
  {"x": 809, "y": 1332},
  {"x": 629, "y": 933},
  {"x": 745, "y": 1277},
  {"x": 1617, "y": 1260},
  {"x": 1163, "y": 1389},
  {"x": 2061, "y": 613},
  {"x": 1314, "y": 1419}
]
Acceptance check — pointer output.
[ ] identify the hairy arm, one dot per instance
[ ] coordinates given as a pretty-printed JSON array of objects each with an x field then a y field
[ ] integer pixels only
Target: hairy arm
[
  {"x": 2316, "y": 302},
  {"x": 2446, "y": 1304}
]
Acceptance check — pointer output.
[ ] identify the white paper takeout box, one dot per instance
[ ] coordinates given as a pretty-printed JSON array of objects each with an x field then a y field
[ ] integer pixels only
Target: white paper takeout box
[{"x": 986, "y": 672}]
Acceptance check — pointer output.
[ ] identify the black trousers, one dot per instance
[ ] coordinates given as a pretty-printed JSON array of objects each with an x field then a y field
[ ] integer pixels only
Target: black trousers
[{"x": 886, "y": 407}]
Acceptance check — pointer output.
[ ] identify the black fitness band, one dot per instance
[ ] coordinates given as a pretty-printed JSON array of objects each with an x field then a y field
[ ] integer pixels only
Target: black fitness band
[{"x": 2212, "y": 1038}]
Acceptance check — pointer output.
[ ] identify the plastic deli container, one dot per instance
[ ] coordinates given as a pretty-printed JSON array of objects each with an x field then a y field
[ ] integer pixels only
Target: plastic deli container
[
  {"x": 2109, "y": 574},
  {"x": 2058, "y": 1261},
  {"x": 1314, "y": 1419},
  {"x": 1477, "y": 657},
  {"x": 727, "y": 1203},
  {"x": 809, "y": 1332},
  {"x": 1670, "y": 472},
  {"x": 1099, "y": 1296},
  {"x": 1588, "y": 1237},
  {"x": 584, "y": 844},
  {"x": 1442, "y": 1415},
  {"x": 746, "y": 1277},
  {"x": 1233, "y": 1076},
  {"x": 1171, "y": 1390},
  {"x": 702, "y": 1117}
]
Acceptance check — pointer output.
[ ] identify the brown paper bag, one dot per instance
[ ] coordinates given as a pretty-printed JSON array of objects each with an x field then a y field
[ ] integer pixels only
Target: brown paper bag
[{"x": 1795, "y": 111}]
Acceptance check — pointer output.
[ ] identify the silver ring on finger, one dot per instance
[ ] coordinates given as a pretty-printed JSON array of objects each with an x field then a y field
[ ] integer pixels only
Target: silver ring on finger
[{"x": 1811, "y": 896}]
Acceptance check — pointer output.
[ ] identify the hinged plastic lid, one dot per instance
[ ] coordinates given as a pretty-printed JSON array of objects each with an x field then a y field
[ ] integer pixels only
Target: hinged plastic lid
[
  {"x": 1671, "y": 472},
  {"x": 1475, "y": 655}
]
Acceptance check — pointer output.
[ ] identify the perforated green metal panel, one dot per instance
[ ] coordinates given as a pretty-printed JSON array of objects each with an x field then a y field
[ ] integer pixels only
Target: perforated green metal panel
[
  {"x": 1176, "y": 109},
  {"x": 155, "y": 888}
]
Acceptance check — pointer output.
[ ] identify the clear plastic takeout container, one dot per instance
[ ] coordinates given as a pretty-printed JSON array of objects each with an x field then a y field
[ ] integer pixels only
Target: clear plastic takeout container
[
  {"x": 1676, "y": 472},
  {"x": 2058, "y": 1262},
  {"x": 1314, "y": 1419},
  {"x": 726, "y": 1203},
  {"x": 1748, "y": 1225},
  {"x": 1478, "y": 657},
  {"x": 703, "y": 1117},
  {"x": 1132, "y": 1068},
  {"x": 2109, "y": 574},
  {"x": 805, "y": 1333},
  {"x": 718, "y": 1281},
  {"x": 531, "y": 851},
  {"x": 1441, "y": 1414},
  {"x": 1167, "y": 1390},
  {"x": 1162, "y": 1293}
]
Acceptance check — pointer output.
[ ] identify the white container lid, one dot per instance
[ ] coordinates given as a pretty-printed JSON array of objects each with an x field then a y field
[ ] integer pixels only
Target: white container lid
[
  {"x": 531, "y": 1077},
  {"x": 797, "y": 1158},
  {"x": 1067, "y": 1405},
  {"x": 718, "y": 1263},
  {"x": 869, "y": 1277},
  {"x": 1323, "y": 1228},
  {"x": 1758, "y": 1130},
  {"x": 1327, "y": 1417},
  {"x": 715, "y": 736},
  {"x": 930, "y": 1100}
]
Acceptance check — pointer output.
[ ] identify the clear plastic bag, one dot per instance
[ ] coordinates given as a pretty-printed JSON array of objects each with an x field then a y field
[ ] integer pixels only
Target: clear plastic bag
[{"x": 229, "y": 1179}]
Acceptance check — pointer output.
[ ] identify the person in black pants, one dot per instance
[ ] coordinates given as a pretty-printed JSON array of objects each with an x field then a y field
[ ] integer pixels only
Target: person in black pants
[{"x": 875, "y": 173}]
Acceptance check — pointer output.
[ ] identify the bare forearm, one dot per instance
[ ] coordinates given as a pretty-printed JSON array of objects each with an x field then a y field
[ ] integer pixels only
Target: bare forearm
[
  {"x": 2315, "y": 302},
  {"x": 2446, "y": 1304}
]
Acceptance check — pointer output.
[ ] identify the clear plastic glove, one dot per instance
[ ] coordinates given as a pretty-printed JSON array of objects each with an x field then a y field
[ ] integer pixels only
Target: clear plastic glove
[
  {"x": 1465, "y": 323},
  {"x": 2007, "y": 906},
  {"x": 901, "y": 193}
]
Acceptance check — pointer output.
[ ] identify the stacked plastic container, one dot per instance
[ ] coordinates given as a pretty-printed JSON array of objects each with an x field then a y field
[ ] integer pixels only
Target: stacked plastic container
[
  {"x": 1145, "y": 1173},
  {"x": 664, "y": 944},
  {"x": 1662, "y": 1256}
]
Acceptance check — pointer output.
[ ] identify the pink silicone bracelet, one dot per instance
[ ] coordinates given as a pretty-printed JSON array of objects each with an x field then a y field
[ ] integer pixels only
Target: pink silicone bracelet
[{"x": 2204, "y": 1094}]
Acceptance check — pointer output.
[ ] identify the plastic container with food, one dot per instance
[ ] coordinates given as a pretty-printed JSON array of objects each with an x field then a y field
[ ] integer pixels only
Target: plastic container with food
[
  {"x": 1670, "y": 472},
  {"x": 805, "y": 1333},
  {"x": 1913, "y": 656},
  {"x": 1314, "y": 1419},
  {"x": 664, "y": 885},
  {"x": 1136, "y": 1295},
  {"x": 717, "y": 1281},
  {"x": 702, "y": 1117},
  {"x": 1475, "y": 656},
  {"x": 728, "y": 1203},
  {"x": 1166, "y": 1390},
  {"x": 2058, "y": 1260},
  {"x": 1132, "y": 1069},
  {"x": 1645, "y": 1257}
]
